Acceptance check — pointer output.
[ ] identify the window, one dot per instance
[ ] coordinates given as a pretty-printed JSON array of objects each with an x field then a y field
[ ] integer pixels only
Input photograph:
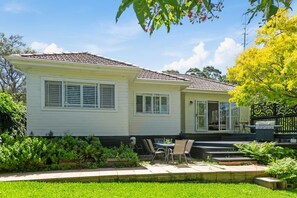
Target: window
[
  {"x": 152, "y": 103},
  {"x": 79, "y": 95},
  {"x": 53, "y": 93},
  {"x": 106, "y": 96}
]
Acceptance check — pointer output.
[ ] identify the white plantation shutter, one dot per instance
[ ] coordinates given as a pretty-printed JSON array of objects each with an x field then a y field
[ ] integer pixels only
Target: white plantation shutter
[
  {"x": 79, "y": 95},
  {"x": 107, "y": 96},
  {"x": 72, "y": 95},
  {"x": 53, "y": 93},
  {"x": 90, "y": 96}
]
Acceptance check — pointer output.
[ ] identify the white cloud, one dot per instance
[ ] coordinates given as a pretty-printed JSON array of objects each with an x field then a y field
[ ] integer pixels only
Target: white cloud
[
  {"x": 14, "y": 7},
  {"x": 225, "y": 54},
  {"x": 198, "y": 57},
  {"x": 222, "y": 57},
  {"x": 46, "y": 48}
]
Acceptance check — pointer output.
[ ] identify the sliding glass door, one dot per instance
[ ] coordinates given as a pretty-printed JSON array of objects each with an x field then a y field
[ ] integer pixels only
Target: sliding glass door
[
  {"x": 224, "y": 116},
  {"x": 216, "y": 116},
  {"x": 201, "y": 116}
]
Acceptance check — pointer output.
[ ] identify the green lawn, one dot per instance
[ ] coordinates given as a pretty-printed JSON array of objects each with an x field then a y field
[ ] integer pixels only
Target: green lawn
[{"x": 81, "y": 190}]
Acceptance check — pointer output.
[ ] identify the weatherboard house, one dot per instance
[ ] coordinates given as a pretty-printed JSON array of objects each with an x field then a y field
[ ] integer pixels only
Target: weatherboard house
[{"x": 86, "y": 94}]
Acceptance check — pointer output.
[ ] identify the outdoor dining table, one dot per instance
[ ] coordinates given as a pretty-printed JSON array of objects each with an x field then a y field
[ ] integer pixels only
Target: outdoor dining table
[{"x": 166, "y": 146}]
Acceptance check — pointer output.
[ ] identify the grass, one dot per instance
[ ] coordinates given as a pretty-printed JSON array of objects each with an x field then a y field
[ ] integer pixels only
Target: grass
[{"x": 81, "y": 190}]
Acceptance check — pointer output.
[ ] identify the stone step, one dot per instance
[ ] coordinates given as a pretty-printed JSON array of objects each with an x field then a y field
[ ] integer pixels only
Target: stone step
[
  {"x": 231, "y": 159},
  {"x": 270, "y": 182},
  {"x": 234, "y": 160}
]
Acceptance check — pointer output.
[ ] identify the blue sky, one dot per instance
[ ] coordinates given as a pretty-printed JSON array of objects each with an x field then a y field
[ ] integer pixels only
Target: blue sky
[{"x": 89, "y": 25}]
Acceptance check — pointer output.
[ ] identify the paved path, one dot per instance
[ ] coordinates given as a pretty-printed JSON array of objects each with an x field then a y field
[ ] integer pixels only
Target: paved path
[{"x": 157, "y": 172}]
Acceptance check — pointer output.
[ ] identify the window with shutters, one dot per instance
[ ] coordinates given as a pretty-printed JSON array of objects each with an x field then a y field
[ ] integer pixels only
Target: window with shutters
[
  {"x": 53, "y": 93},
  {"x": 152, "y": 103},
  {"x": 79, "y": 95},
  {"x": 106, "y": 96}
]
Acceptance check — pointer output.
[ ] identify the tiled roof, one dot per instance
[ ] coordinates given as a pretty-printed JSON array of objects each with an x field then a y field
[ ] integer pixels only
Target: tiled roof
[
  {"x": 82, "y": 57},
  {"x": 200, "y": 83},
  {"x": 152, "y": 75}
]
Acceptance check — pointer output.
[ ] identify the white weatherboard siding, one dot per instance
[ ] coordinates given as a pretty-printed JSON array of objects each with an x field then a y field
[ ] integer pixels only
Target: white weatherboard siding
[
  {"x": 78, "y": 122},
  {"x": 155, "y": 124}
]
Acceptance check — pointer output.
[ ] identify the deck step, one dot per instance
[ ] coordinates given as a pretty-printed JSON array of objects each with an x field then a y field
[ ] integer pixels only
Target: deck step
[
  {"x": 223, "y": 152},
  {"x": 270, "y": 182},
  {"x": 213, "y": 148}
]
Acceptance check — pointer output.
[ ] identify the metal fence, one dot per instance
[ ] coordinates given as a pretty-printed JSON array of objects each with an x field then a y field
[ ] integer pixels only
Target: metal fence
[{"x": 285, "y": 116}]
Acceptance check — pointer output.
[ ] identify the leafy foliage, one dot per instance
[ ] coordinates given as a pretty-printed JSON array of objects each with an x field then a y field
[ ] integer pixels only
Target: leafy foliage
[
  {"x": 32, "y": 153},
  {"x": 153, "y": 14},
  {"x": 12, "y": 115},
  {"x": 23, "y": 154},
  {"x": 209, "y": 72},
  {"x": 122, "y": 154},
  {"x": 11, "y": 80},
  {"x": 267, "y": 71},
  {"x": 284, "y": 169},
  {"x": 265, "y": 152}
]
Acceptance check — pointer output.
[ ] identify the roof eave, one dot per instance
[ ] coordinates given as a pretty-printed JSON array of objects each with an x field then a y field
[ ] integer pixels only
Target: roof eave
[
  {"x": 191, "y": 90},
  {"x": 164, "y": 82}
]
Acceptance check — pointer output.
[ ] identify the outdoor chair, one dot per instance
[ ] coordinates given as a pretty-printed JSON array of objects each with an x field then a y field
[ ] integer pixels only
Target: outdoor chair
[
  {"x": 237, "y": 127},
  {"x": 179, "y": 149},
  {"x": 189, "y": 147},
  {"x": 159, "y": 151},
  {"x": 147, "y": 148}
]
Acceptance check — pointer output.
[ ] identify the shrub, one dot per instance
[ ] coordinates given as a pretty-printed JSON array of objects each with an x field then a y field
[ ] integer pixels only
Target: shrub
[
  {"x": 122, "y": 154},
  {"x": 36, "y": 153},
  {"x": 284, "y": 169},
  {"x": 12, "y": 115},
  {"x": 24, "y": 154},
  {"x": 265, "y": 152}
]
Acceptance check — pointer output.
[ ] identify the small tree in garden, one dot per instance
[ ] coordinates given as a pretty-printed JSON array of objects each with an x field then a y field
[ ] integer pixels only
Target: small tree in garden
[
  {"x": 12, "y": 116},
  {"x": 267, "y": 72}
]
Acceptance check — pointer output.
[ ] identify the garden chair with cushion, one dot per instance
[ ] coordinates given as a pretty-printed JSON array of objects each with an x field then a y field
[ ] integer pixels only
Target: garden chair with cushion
[
  {"x": 179, "y": 149},
  {"x": 153, "y": 151}
]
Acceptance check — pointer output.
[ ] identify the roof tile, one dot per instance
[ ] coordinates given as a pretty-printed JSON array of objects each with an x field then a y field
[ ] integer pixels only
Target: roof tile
[
  {"x": 200, "y": 83},
  {"x": 152, "y": 75},
  {"x": 82, "y": 57}
]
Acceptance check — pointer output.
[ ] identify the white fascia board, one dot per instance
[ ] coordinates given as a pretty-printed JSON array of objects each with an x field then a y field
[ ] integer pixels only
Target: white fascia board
[
  {"x": 24, "y": 64},
  {"x": 163, "y": 82},
  {"x": 205, "y": 91}
]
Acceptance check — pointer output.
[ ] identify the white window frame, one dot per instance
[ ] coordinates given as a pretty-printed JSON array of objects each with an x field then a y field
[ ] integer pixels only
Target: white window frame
[
  {"x": 231, "y": 127},
  {"x": 152, "y": 94},
  {"x": 80, "y": 82}
]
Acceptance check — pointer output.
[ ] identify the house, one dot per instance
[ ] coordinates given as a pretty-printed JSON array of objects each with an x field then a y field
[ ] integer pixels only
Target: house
[{"x": 86, "y": 94}]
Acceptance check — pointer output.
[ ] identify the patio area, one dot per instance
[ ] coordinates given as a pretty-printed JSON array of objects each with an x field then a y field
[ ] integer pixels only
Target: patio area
[{"x": 157, "y": 172}]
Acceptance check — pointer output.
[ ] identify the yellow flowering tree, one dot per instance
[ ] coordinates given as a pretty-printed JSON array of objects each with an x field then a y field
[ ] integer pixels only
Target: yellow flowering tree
[{"x": 267, "y": 72}]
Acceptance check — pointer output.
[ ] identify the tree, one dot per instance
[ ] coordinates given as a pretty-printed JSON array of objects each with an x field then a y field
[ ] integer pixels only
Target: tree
[
  {"x": 209, "y": 72},
  {"x": 153, "y": 14},
  {"x": 172, "y": 71},
  {"x": 11, "y": 80},
  {"x": 12, "y": 116},
  {"x": 196, "y": 72},
  {"x": 267, "y": 72}
]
